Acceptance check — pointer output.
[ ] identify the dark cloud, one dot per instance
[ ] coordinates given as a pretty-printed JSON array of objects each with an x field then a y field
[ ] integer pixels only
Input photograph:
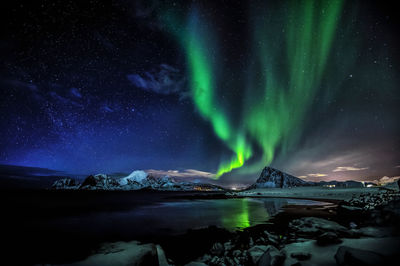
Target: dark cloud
[
  {"x": 24, "y": 85},
  {"x": 26, "y": 170}
]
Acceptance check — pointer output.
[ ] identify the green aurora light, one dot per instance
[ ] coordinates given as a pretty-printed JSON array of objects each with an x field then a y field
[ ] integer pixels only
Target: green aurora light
[{"x": 277, "y": 96}]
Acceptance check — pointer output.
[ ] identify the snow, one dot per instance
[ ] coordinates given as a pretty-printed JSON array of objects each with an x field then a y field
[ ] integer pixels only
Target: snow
[
  {"x": 310, "y": 192},
  {"x": 136, "y": 176},
  {"x": 325, "y": 255}
]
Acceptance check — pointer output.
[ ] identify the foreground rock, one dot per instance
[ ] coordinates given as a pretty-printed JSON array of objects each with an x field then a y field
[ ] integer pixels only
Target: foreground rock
[
  {"x": 369, "y": 201},
  {"x": 125, "y": 253},
  {"x": 385, "y": 248},
  {"x": 305, "y": 241},
  {"x": 353, "y": 256},
  {"x": 328, "y": 238},
  {"x": 369, "y": 209},
  {"x": 312, "y": 227}
]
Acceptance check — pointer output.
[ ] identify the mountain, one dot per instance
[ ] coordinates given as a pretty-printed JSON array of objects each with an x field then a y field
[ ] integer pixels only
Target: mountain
[
  {"x": 135, "y": 181},
  {"x": 99, "y": 182},
  {"x": 273, "y": 178},
  {"x": 65, "y": 183}
]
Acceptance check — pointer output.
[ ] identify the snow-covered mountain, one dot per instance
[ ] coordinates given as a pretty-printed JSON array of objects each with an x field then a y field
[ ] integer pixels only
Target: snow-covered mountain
[
  {"x": 99, "y": 182},
  {"x": 273, "y": 178},
  {"x": 65, "y": 183},
  {"x": 140, "y": 179},
  {"x": 135, "y": 181}
]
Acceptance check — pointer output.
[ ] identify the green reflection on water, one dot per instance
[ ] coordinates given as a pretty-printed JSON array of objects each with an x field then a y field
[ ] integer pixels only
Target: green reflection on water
[{"x": 238, "y": 215}]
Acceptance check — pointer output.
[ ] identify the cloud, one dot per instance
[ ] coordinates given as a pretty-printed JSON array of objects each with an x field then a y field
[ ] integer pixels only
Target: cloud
[
  {"x": 317, "y": 175},
  {"x": 107, "y": 109},
  {"x": 302, "y": 176},
  {"x": 164, "y": 79},
  {"x": 348, "y": 168},
  {"x": 64, "y": 100},
  {"x": 386, "y": 180},
  {"x": 397, "y": 166},
  {"x": 75, "y": 92},
  {"x": 187, "y": 173}
]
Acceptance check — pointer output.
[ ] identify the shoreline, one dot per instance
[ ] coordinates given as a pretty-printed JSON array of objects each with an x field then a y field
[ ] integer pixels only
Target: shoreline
[
  {"x": 204, "y": 245},
  {"x": 298, "y": 234}
]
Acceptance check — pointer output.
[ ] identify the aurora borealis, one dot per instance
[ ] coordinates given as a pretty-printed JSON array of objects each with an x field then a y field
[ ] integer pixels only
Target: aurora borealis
[
  {"x": 279, "y": 96},
  {"x": 202, "y": 89},
  {"x": 200, "y": 51}
]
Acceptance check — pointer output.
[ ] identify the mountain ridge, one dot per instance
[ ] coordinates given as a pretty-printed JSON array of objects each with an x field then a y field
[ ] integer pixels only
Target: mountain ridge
[
  {"x": 274, "y": 178},
  {"x": 137, "y": 180}
]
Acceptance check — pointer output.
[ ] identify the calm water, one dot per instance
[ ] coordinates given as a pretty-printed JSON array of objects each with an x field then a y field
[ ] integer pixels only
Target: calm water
[
  {"x": 61, "y": 227},
  {"x": 174, "y": 217}
]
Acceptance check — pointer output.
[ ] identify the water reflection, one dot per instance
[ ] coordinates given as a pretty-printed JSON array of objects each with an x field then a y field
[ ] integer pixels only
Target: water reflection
[
  {"x": 177, "y": 217},
  {"x": 236, "y": 216}
]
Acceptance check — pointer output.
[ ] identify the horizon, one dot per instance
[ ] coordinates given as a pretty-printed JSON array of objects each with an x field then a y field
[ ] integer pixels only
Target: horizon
[{"x": 188, "y": 175}]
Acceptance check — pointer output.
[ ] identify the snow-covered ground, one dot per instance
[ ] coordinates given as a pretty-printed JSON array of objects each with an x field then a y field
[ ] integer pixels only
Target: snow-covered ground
[
  {"x": 325, "y": 255},
  {"x": 316, "y": 192}
]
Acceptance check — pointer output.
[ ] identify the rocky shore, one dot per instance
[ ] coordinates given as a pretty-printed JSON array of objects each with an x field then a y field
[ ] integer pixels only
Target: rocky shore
[{"x": 363, "y": 230}]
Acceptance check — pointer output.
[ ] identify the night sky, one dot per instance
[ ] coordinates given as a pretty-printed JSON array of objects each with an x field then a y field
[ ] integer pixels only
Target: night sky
[{"x": 201, "y": 88}]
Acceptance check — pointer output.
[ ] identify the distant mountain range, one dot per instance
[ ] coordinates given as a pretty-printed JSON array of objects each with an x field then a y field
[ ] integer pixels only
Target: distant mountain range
[
  {"x": 135, "y": 181},
  {"x": 269, "y": 178}
]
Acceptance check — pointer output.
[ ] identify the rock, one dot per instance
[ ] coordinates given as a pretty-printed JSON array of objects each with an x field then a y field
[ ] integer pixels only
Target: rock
[
  {"x": 351, "y": 256},
  {"x": 311, "y": 226},
  {"x": 206, "y": 258},
  {"x": 353, "y": 225},
  {"x": 217, "y": 249},
  {"x": 229, "y": 261},
  {"x": 265, "y": 259},
  {"x": 162, "y": 260},
  {"x": 328, "y": 238},
  {"x": 260, "y": 241},
  {"x": 228, "y": 246},
  {"x": 251, "y": 242},
  {"x": 122, "y": 253},
  {"x": 301, "y": 255},
  {"x": 273, "y": 239},
  {"x": 271, "y": 257},
  {"x": 236, "y": 253},
  {"x": 256, "y": 252},
  {"x": 196, "y": 263},
  {"x": 215, "y": 260}
]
